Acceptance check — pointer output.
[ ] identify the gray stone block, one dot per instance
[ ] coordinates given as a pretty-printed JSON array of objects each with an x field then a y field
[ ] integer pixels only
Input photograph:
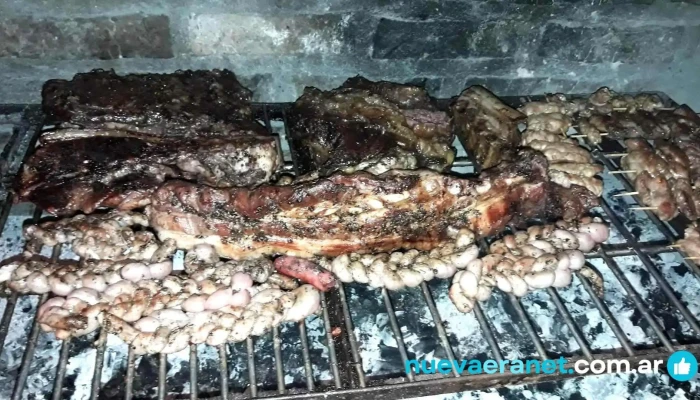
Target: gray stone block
[
  {"x": 638, "y": 44},
  {"x": 446, "y": 39},
  {"x": 254, "y": 35},
  {"x": 128, "y": 36}
]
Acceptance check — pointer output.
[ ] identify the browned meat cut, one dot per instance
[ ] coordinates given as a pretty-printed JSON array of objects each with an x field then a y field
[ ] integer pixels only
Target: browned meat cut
[
  {"x": 488, "y": 127},
  {"x": 184, "y": 103},
  {"x": 118, "y": 171},
  {"x": 372, "y": 126},
  {"x": 359, "y": 212}
]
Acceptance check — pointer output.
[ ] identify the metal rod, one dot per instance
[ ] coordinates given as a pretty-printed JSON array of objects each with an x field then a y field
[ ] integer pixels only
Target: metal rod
[
  {"x": 60, "y": 370},
  {"x": 251, "y": 368},
  {"x": 223, "y": 370},
  {"x": 130, "y": 369},
  {"x": 488, "y": 332},
  {"x": 99, "y": 361},
  {"x": 308, "y": 369},
  {"x": 660, "y": 225},
  {"x": 28, "y": 353},
  {"x": 162, "y": 365},
  {"x": 397, "y": 333},
  {"x": 665, "y": 287},
  {"x": 528, "y": 326},
  {"x": 351, "y": 336},
  {"x": 33, "y": 333},
  {"x": 329, "y": 339},
  {"x": 575, "y": 331},
  {"x": 439, "y": 326},
  {"x": 279, "y": 368},
  {"x": 194, "y": 367},
  {"x": 607, "y": 316},
  {"x": 637, "y": 300},
  {"x": 6, "y": 318}
]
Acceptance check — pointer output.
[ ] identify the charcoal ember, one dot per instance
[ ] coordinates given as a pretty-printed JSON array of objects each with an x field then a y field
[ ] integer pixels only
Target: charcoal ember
[
  {"x": 372, "y": 126},
  {"x": 183, "y": 103}
]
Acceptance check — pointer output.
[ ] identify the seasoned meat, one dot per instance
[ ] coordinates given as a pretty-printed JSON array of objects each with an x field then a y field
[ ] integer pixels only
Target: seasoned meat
[
  {"x": 656, "y": 192},
  {"x": 369, "y": 125},
  {"x": 544, "y": 136},
  {"x": 566, "y": 180},
  {"x": 66, "y": 176},
  {"x": 184, "y": 103},
  {"x": 360, "y": 212},
  {"x": 552, "y": 122},
  {"x": 582, "y": 169},
  {"x": 564, "y": 151},
  {"x": 487, "y": 126}
]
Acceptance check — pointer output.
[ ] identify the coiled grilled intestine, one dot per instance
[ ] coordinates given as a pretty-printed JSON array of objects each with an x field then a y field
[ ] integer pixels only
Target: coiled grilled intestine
[
  {"x": 116, "y": 235},
  {"x": 170, "y": 331},
  {"x": 398, "y": 270},
  {"x": 541, "y": 257}
]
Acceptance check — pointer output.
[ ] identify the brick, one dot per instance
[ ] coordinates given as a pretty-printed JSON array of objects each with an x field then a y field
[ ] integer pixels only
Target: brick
[
  {"x": 251, "y": 35},
  {"x": 128, "y": 36},
  {"x": 450, "y": 39},
  {"x": 610, "y": 44}
]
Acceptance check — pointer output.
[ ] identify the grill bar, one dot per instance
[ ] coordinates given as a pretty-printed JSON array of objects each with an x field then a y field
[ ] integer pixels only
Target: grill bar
[
  {"x": 308, "y": 369},
  {"x": 251, "y": 368},
  {"x": 350, "y": 333},
  {"x": 6, "y": 318},
  {"x": 61, "y": 370},
  {"x": 162, "y": 366},
  {"x": 607, "y": 316},
  {"x": 651, "y": 268},
  {"x": 99, "y": 360},
  {"x": 33, "y": 334},
  {"x": 439, "y": 326},
  {"x": 638, "y": 302},
  {"x": 488, "y": 333},
  {"x": 345, "y": 360},
  {"x": 397, "y": 332},
  {"x": 528, "y": 326},
  {"x": 130, "y": 367},
  {"x": 193, "y": 372},
  {"x": 329, "y": 338},
  {"x": 223, "y": 369},
  {"x": 575, "y": 331},
  {"x": 28, "y": 354},
  {"x": 279, "y": 369}
]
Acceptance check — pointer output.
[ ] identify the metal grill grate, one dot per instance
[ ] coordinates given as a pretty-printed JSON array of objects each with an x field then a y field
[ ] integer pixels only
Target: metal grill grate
[{"x": 348, "y": 377}]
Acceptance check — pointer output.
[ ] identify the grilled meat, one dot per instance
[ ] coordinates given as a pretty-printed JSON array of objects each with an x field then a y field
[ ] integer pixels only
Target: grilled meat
[
  {"x": 488, "y": 127},
  {"x": 184, "y": 103},
  {"x": 541, "y": 257},
  {"x": 365, "y": 125},
  {"x": 690, "y": 244},
  {"x": 358, "y": 212},
  {"x": 664, "y": 176},
  {"x": 570, "y": 165},
  {"x": 306, "y": 271},
  {"x": 121, "y": 171}
]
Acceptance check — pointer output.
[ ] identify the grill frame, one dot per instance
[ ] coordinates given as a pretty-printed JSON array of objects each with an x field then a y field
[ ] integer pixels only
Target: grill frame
[{"x": 348, "y": 378}]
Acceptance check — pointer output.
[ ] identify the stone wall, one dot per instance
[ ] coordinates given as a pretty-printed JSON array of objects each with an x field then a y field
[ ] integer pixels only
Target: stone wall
[{"x": 279, "y": 46}]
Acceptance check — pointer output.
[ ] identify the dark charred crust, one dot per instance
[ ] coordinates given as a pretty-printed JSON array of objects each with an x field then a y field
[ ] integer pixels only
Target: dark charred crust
[{"x": 365, "y": 122}]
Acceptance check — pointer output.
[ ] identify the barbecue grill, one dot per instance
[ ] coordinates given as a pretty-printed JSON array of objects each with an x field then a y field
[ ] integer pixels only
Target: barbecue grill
[{"x": 333, "y": 356}]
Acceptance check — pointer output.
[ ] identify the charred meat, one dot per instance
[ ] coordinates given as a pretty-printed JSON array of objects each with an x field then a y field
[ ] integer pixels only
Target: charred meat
[
  {"x": 372, "y": 126},
  {"x": 121, "y": 171},
  {"x": 184, "y": 103},
  {"x": 359, "y": 212},
  {"x": 487, "y": 126}
]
